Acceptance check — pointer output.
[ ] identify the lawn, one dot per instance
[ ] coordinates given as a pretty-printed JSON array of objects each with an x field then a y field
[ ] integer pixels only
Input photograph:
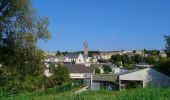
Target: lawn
[{"x": 132, "y": 94}]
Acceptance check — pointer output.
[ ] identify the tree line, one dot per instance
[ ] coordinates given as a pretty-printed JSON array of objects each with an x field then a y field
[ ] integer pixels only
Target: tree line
[{"x": 21, "y": 61}]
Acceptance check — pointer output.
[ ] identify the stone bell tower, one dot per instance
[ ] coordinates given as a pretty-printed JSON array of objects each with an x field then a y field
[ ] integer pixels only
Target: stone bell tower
[{"x": 85, "y": 48}]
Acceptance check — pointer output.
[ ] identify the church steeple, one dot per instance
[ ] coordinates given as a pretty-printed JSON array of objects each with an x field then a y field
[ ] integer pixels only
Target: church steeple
[{"x": 85, "y": 48}]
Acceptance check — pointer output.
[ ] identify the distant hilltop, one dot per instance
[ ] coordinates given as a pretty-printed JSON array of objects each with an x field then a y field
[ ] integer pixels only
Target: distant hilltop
[{"x": 108, "y": 54}]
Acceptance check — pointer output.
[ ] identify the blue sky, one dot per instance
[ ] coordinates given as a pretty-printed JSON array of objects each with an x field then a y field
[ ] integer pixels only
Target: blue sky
[{"x": 105, "y": 24}]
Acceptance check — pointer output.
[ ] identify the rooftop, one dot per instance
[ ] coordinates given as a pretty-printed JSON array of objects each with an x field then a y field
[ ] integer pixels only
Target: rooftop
[
  {"x": 73, "y": 56},
  {"x": 105, "y": 77},
  {"x": 79, "y": 68}
]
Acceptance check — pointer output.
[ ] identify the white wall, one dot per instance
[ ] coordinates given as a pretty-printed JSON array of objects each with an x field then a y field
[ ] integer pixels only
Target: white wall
[
  {"x": 47, "y": 60},
  {"x": 80, "y": 75},
  {"x": 80, "y": 59},
  {"x": 116, "y": 70},
  {"x": 76, "y": 76},
  {"x": 47, "y": 73}
]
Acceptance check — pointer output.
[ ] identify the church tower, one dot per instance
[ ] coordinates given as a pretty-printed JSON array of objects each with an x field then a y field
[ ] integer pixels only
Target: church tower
[{"x": 85, "y": 48}]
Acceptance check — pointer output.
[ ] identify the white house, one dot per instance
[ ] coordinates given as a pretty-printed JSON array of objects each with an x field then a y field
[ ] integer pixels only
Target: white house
[
  {"x": 77, "y": 58},
  {"x": 116, "y": 70},
  {"x": 47, "y": 71},
  {"x": 163, "y": 54},
  {"x": 55, "y": 59}
]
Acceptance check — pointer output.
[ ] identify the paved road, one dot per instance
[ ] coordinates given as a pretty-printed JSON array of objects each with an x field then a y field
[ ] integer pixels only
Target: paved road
[{"x": 81, "y": 90}]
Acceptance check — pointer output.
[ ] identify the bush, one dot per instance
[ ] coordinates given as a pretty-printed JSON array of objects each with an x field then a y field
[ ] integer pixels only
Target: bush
[
  {"x": 60, "y": 74},
  {"x": 125, "y": 65},
  {"x": 107, "y": 69},
  {"x": 164, "y": 67},
  {"x": 97, "y": 70}
]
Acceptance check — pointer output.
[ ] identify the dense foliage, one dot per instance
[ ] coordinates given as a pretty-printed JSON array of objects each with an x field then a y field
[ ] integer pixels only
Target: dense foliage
[
  {"x": 21, "y": 68},
  {"x": 91, "y": 53},
  {"x": 164, "y": 66},
  {"x": 127, "y": 60},
  {"x": 97, "y": 70},
  {"x": 107, "y": 69},
  {"x": 61, "y": 74},
  {"x": 167, "y": 40}
]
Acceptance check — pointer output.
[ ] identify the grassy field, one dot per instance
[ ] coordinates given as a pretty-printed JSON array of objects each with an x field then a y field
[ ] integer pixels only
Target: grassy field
[{"x": 133, "y": 94}]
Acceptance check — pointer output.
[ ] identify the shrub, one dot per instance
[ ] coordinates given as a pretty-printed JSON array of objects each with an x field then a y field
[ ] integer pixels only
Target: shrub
[
  {"x": 60, "y": 74},
  {"x": 107, "y": 69},
  {"x": 97, "y": 70}
]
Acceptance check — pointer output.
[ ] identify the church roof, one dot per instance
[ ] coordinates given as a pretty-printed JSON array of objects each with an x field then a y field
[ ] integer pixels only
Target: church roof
[
  {"x": 85, "y": 56},
  {"x": 72, "y": 56}
]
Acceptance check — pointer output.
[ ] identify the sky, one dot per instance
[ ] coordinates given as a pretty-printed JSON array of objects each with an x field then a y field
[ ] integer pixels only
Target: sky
[{"x": 106, "y": 25}]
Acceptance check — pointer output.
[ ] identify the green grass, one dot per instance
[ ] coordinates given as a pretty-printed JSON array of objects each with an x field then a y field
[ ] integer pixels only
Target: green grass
[{"x": 132, "y": 94}]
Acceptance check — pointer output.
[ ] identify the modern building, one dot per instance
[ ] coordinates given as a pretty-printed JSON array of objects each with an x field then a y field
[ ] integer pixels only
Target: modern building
[
  {"x": 94, "y": 81},
  {"x": 144, "y": 77},
  {"x": 104, "y": 81},
  {"x": 81, "y": 72}
]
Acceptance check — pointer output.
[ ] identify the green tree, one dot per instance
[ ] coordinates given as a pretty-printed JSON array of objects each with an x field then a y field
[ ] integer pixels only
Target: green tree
[
  {"x": 152, "y": 59},
  {"x": 97, "y": 70},
  {"x": 102, "y": 60},
  {"x": 134, "y": 51},
  {"x": 91, "y": 53},
  {"x": 152, "y": 52},
  {"x": 20, "y": 29},
  {"x": 164, "y": 66},
  {"x": 167, "y": 46},
  {"x": 61, "y": 74},
  {"x": 58, "y": 53},
  {"x": 73, "y": 62},
  {"x": 125, "y": 58},
  {"x": 145, "y": 50},
  {"x": 125, "y": 65},
  {"x": 64, "y": 53},
  {"x": 107, "y": 69},
  {"x": 137, "y": 58},
  {"x": 116, "y": 58}
]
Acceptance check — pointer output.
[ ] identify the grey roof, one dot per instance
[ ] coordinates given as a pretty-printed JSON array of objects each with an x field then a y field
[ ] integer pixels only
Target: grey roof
[
  {"x": 131, "y": 71},
  {"x": 78, "y": 68},
  {"x": 72, "y": 56},
  {"x": 108, "y": 64},
  {"x": 105, "y": 77}
]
